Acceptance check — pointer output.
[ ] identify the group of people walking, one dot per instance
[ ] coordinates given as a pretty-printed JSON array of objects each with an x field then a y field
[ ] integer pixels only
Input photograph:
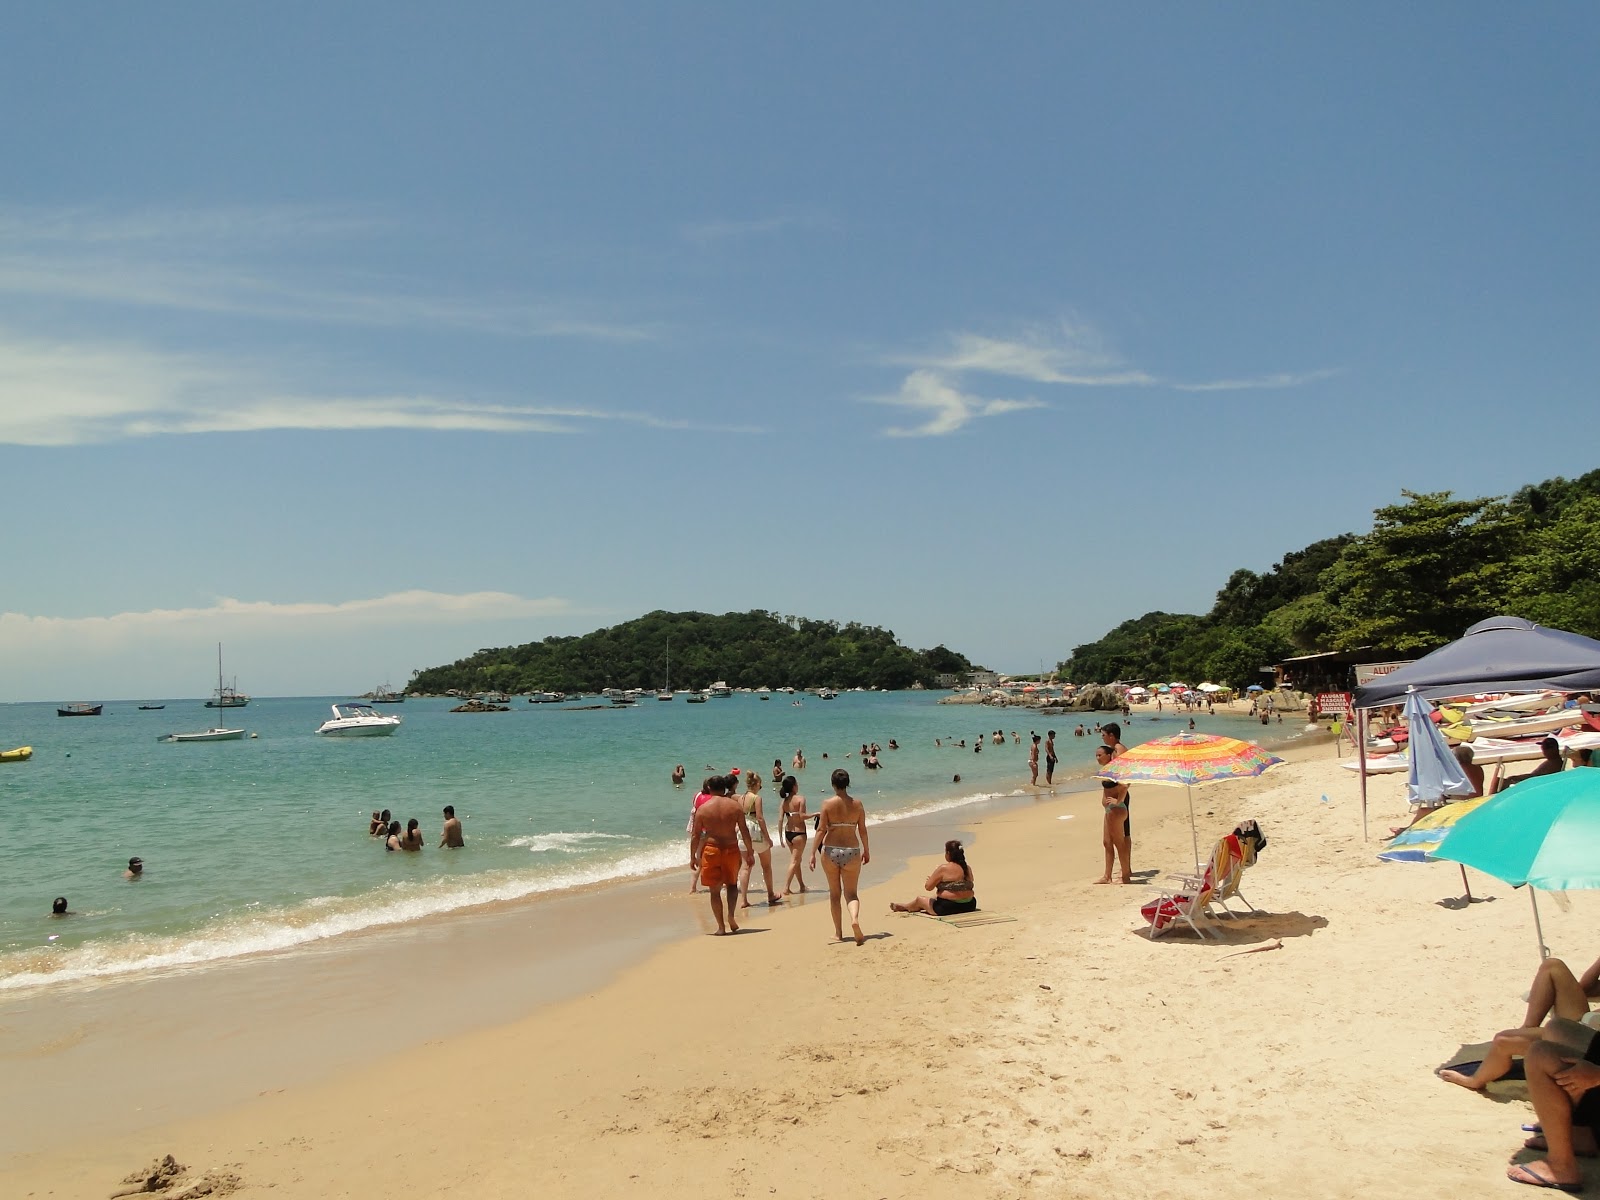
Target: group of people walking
[{"x": 729, "y": 836}]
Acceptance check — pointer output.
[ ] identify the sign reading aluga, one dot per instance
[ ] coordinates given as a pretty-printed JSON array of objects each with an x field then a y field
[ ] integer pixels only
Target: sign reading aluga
[
  {"x": 1367, "y": 672},
  {"x": 1331, "y": 704}
]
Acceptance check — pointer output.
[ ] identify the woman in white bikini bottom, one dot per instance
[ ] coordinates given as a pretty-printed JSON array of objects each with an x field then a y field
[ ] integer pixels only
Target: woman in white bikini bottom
[{"x": 842, "y": 838}]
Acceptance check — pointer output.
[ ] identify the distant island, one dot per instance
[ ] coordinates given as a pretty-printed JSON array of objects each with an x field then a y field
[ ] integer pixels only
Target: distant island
[
  {"x": 753, "y": 649},
  {"x": 1429, "y": 567}
]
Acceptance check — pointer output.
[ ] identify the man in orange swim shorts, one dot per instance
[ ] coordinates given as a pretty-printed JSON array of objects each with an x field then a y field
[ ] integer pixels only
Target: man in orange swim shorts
[{"x": 719, "y": 843}]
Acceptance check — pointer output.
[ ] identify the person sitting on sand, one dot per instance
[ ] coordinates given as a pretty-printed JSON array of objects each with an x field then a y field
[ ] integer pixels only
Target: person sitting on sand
[
  {"x": 1553, "y": 762},
  {"x": 1474, "y": 774},
  {"x": 951, "y": 883},
  {"x": 1562, "y": 1083},
  {"x": 842, "y": 840},
  {"x": 719, "y": 842},
  {"x": 1555, "y": 992}
]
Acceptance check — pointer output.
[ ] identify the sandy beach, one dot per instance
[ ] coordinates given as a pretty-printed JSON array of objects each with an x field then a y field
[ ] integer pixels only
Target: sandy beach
[{"x": 1054, "y": 1052}]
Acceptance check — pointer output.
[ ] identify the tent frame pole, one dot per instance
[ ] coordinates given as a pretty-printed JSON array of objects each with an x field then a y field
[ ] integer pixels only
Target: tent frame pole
[{"x": 1361, "y": 758}]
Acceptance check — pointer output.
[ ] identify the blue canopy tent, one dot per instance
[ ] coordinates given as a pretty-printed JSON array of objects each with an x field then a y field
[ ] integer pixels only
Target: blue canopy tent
[{"x": 1500, "y": 654}]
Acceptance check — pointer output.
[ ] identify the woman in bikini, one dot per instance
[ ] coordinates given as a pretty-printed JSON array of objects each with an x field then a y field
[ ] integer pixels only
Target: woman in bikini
[
  {"x": 842, "y": 839},
  {"x": 951, "y": 884},
  {"x": 792, "y": 817},
  {"x": 760, "y": 841},
  {"x": 1114, "y": 836}
]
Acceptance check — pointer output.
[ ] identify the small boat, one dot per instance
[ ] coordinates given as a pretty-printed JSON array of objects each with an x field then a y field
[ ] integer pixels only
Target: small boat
[
  {"x": 358, "y": 720},
  {"x": 383, "y": 695},
  {"x": 622, "y": 699},
  {"x": 721, "y": 690},
  {"x": 206, "y": 735},
  {"x": 20, "y": 754},
  {"x": 695, "y": 698},
  {"x": 226, "y": 695},
  {"x": 545, "y": 697},
  {"x": 151, "y": 707},
  {"x": 492, "y": 698},
  {"x": 827, "y": 694},
  {"x": 79, "y": 710}
]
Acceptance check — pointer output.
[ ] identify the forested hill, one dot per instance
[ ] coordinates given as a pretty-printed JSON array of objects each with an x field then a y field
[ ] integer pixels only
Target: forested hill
[
  {"x": 1429, "y": 567},
  {"x": 753, "y": 649}
]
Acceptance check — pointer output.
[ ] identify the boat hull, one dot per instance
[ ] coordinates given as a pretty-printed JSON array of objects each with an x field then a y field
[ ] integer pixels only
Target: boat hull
[
  {"x": 206, "y": 735},
  {"x": 366, "y": 730},
  {"x": 20, "y": 754}
]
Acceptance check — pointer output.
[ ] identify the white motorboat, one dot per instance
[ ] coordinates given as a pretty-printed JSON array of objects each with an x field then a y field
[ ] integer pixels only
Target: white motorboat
[
  {"x": 206, "y": 735},
  {"x": 358, "y": 720},
  {"x": 720, "y": 690}
]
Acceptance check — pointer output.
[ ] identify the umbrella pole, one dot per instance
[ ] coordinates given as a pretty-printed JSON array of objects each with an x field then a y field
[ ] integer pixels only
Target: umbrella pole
[
  {"x": 1361, "y": 758},
  {"x": 1538, "y": 930},
  {"x": 1194, "y": 836},
  {"x": 1465, "y": 884}
]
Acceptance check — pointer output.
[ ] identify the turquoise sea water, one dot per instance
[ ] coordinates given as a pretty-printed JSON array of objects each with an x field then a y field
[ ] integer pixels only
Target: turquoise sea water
[{"x": 262, "y": 844}]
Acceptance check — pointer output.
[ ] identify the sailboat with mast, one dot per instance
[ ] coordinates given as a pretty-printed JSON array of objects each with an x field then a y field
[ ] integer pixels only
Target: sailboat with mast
[
  {"x": 218, "y": 733},
  {"x": 666, "y": 690}
]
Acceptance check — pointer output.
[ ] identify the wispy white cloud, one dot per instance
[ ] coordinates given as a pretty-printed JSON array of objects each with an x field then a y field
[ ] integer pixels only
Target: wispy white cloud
[
  {"x": 945, "y": 408},
  {"x": 72, "y": 393},
  {"x": 1073, "y": 354},
  {"x": 229, "y": 262},
  {"x": 1068, "y": 353},
  {"x": 1285, "y": 379}
]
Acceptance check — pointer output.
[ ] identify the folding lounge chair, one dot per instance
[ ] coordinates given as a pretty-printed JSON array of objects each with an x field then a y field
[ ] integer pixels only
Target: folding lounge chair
[
  {"x": 1228, "y": 888},
  {"x": 1194, "y": 896}
]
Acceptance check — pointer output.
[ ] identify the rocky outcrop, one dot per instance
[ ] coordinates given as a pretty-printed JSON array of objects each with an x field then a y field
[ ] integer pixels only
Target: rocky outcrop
[{"x": 1097, "y": 698}]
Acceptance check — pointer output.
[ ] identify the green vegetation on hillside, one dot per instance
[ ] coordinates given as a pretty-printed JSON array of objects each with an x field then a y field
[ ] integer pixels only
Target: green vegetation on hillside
[
  {"x": 1429, "y": 567},
  {"x": 752, "y": 649}
]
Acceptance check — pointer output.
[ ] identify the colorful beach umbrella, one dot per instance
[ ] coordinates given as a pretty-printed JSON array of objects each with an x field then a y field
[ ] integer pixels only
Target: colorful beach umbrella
[
  {"x": 1419, "y": 842},
  {"x": 1542, "y": 832},
  {"x": 1191, "y": 760}
]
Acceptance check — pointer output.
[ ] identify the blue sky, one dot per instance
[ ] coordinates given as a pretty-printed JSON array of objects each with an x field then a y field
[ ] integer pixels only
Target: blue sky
[{"x": 358, "y": 337}]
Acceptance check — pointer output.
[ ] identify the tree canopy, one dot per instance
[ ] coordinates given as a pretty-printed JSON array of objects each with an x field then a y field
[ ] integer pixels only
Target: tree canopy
[
  {"x": 750, "y": 649},
  {"x": 1429, "y": 567}
]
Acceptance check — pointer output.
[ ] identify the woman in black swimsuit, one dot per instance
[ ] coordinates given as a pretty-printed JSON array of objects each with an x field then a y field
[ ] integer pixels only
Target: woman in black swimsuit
[
  {"x": 951, "y": 883},
  {"x": 792, "y": 820}
]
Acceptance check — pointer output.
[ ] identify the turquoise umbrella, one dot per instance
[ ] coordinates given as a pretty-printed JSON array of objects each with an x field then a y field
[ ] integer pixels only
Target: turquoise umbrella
[{"x": 1542, "y": 832}]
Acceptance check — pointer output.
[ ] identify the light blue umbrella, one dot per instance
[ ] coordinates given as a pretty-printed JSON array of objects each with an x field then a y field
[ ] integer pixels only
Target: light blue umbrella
[
  {"x": 1542, "y": 832},
  {"x": 1435, "y": 773}
]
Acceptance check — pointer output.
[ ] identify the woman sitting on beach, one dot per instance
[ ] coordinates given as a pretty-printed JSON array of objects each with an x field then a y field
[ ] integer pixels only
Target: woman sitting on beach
[
  {"x": 792, "y": 820},
  {"x": 842, "y": 840},
  {"x": 760, "y": 841},
  {"x": 1555, "y": 992},
  {"x": 951, "y": 883}
]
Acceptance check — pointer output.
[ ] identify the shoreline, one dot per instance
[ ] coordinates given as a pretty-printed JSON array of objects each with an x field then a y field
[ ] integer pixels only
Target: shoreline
[{"x": 1087, "y": 1056}]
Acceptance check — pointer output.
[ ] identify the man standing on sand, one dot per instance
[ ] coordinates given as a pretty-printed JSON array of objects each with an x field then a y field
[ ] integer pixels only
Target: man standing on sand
[
  {"x": 719, "y": 840},
  {"x": 1111, "y": 735},
  {"x": 1050, "y": 758},
  {"x": 452, "y": 830}
]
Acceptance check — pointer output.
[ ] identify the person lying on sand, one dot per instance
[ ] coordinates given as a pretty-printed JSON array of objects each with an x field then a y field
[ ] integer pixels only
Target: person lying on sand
[
  {"x": 1555, "y": 992},
  {"x": 951, "y": 882}
]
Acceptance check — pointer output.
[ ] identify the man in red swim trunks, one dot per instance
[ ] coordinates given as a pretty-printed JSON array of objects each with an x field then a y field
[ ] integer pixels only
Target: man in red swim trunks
[{"x": 719, "y": 843}]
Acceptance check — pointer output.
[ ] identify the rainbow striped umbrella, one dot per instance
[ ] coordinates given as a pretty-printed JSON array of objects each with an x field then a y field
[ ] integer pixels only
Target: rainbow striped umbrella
[{"x": 1190, "y": 760}]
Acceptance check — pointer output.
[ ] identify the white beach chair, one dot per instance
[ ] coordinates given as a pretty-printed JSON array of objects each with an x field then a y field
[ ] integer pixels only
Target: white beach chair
[{"x": 1194, "y": 896}]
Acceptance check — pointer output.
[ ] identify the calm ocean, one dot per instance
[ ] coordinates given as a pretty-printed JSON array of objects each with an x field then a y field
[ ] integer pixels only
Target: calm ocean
[{"x": 262, "y": 844}]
